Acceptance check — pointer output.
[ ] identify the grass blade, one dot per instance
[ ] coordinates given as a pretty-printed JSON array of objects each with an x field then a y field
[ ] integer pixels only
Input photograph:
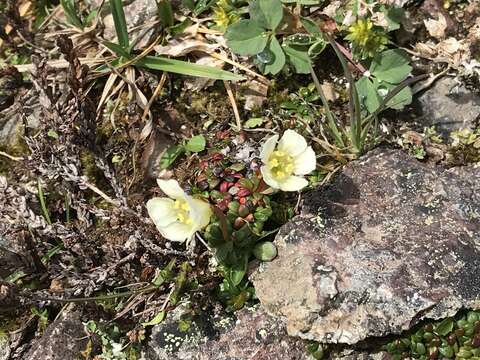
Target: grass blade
[
  {"x": 117, "y": 49},
  {"x": 186, "y": 68},
  {"x": 71, "y": 13},
  {"x": 120, "y": 22},
  {"x": 43, "y": 205}
]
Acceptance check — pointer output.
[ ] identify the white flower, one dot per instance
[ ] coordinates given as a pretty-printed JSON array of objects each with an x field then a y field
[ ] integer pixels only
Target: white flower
[
  {"x": 283, "y": 163},
  {"x": 180, "y": 216}
]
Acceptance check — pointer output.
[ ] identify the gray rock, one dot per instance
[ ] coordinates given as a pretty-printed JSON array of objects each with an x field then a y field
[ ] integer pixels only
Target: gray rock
[
  {"x": 64, "y": 339},
  {"x": 392, "y": 241},
  {"x": 449, "y": 106},
  {"x": 251, "y": 334}
]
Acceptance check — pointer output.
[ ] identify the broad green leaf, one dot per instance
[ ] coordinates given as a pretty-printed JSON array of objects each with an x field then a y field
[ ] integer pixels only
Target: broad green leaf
[
  {"x": 310, "y": 26},
  {"x": 272, "y": 11},
  {"x": 189, "y": 4},
  {"x": 317, "y": 48},
  {"x": 170, "y": 155},
  {"x": 254, "y": 122},
  {"x": 165, "y": 13},
  {"x": 403, "y": 98},
  {"x": 156, "y": 320},
  {"x": 299, "y": 58},
  {"x": 186, "y": 68},
  {"x": 394, "y": 17},
  {"x": 367, "y": 94},
  {"x": 245, "y": 37},
  {"x": 117, "y": 49},
  {"x": 391, "y": 66},
  {"x": 71, "y": 13},
  {"x": 265, "y": 251},
  {"x": 196, "y": 144},
  {"x": 278, "y": 62},
  {"x": 238, "y": 270},
  {"x": 120, "y": 22},
  {"x": 445, "y": 327}
]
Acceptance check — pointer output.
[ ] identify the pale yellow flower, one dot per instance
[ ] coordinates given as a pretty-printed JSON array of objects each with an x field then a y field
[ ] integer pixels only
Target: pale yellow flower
[
  {"x": 179, "y": 216},
  {"x": 287, "y": 161}
]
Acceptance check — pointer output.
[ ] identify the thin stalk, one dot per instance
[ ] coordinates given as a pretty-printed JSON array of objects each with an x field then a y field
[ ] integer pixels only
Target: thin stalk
[
  {"x": 67, "y": 208},
  {"x": 354, "y": 101},
  {"x": 41, "y": 198},
  {"x": 331, "y": 120}
]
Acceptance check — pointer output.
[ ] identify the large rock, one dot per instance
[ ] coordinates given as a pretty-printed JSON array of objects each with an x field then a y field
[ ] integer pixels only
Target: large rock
[
  {"x": 449, "y": 106},
  {"x": 64, "y": 339},
  {"x": 251, "y": 334},
  {"x": 392, "y": 241}
]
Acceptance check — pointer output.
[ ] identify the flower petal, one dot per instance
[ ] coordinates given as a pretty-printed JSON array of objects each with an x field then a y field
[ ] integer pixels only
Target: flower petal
[
  {"x": 268, "y": 147},
  {"x": 171, "y": 188},
  {"x": 177, "y": 231},
  {"x": 268, "y": 177},
  {"x": 293, "y": 183},
  {"x": 200, "y": 213},
  {"x": 292, "y": 143},
  {"x": 161, "y": 211},
  {"x": 306, "y": 162}
]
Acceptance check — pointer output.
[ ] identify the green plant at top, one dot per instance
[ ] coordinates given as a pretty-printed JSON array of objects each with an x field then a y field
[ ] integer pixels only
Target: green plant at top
[
  {"x": 124, "y": 52},
  {"x": 393, "y": 66},
  {"x": 257, "y": 36},
  {"x": 387, "y": 70},
  {"x": 367, "y": 39}
]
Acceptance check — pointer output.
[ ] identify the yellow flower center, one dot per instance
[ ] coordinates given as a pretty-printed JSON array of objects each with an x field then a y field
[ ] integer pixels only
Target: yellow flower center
[
  {"x": 183, "y": 211},
  {"x": 280, "y": 164}
]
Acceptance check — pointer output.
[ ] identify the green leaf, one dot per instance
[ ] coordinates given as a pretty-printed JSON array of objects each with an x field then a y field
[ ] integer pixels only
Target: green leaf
[
  {"x": 272, "y": 11},
  {"x": 311, "y": 26},
  {"x": 245, "y": 37},
  {"x": 391, "y": 66},
  {"x": 367, "y": 93},
  {"x": 196, "y": 144},
  {"x": 279, "y": 59},
  {"x": 186, "y": 68},
  {"x": 399, "y": 101},
  {"x": 117, "y": 49},
  {"x": 238, "y": 270},
  {"x": 445, "y": 327},
  {"x": 403, "y": 98},
  {"x": 156, "y": 320},
  {"x": 265, "y": 251},
  {"x": 120, "y": 22},
  {"x": 165, "y": 274},
  {"x": 299, "y": 58},
  {"x": 262, "y": 213},
  {"x": 71, "y": 13},
  {"x": 394, "y": 17},
  {"x": 254, "y": 122},
  {"x": 317, "y": 48},
  {"x": 170, "y": 155},
  {"x": 165, "y": 13}
]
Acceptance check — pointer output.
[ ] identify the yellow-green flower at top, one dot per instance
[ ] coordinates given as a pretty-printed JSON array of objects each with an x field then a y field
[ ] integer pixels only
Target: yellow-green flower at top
[
  {"x": 179, "y": 216},
  {"x": 285, "y": 163}
]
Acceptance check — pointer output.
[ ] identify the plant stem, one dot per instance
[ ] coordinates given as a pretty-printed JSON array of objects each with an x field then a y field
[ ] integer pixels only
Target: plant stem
[{"x": 331, "y": 120}]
